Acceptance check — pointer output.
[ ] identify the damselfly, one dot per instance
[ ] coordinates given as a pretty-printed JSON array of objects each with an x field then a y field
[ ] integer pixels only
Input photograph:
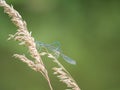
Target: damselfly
[{"x": 56, "y": 50}]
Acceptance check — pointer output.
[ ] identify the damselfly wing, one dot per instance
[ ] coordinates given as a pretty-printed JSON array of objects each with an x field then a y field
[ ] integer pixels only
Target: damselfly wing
[{"x": 56, "y": 50}]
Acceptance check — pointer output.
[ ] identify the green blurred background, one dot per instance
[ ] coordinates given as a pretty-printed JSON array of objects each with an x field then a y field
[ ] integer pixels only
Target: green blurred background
[{"x": 88, "y": 30}]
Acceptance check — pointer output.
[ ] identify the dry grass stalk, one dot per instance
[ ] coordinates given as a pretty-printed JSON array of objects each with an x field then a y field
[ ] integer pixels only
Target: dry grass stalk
[
  {"x": 25, "y": 38},
  {"x": 62, "y": 73}
]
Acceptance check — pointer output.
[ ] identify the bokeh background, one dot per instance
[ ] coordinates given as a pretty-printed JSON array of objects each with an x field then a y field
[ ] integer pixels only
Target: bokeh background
[{"x": 88, "y": 30}]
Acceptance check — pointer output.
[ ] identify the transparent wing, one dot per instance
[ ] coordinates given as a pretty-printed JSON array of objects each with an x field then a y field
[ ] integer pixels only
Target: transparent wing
[
  {"x": 55, "y": 46},
  {"x": 68, "y": 59}
]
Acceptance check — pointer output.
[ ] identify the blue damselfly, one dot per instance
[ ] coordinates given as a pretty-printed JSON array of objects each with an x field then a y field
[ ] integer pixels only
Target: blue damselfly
[{"x": 55, "y": 49}]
